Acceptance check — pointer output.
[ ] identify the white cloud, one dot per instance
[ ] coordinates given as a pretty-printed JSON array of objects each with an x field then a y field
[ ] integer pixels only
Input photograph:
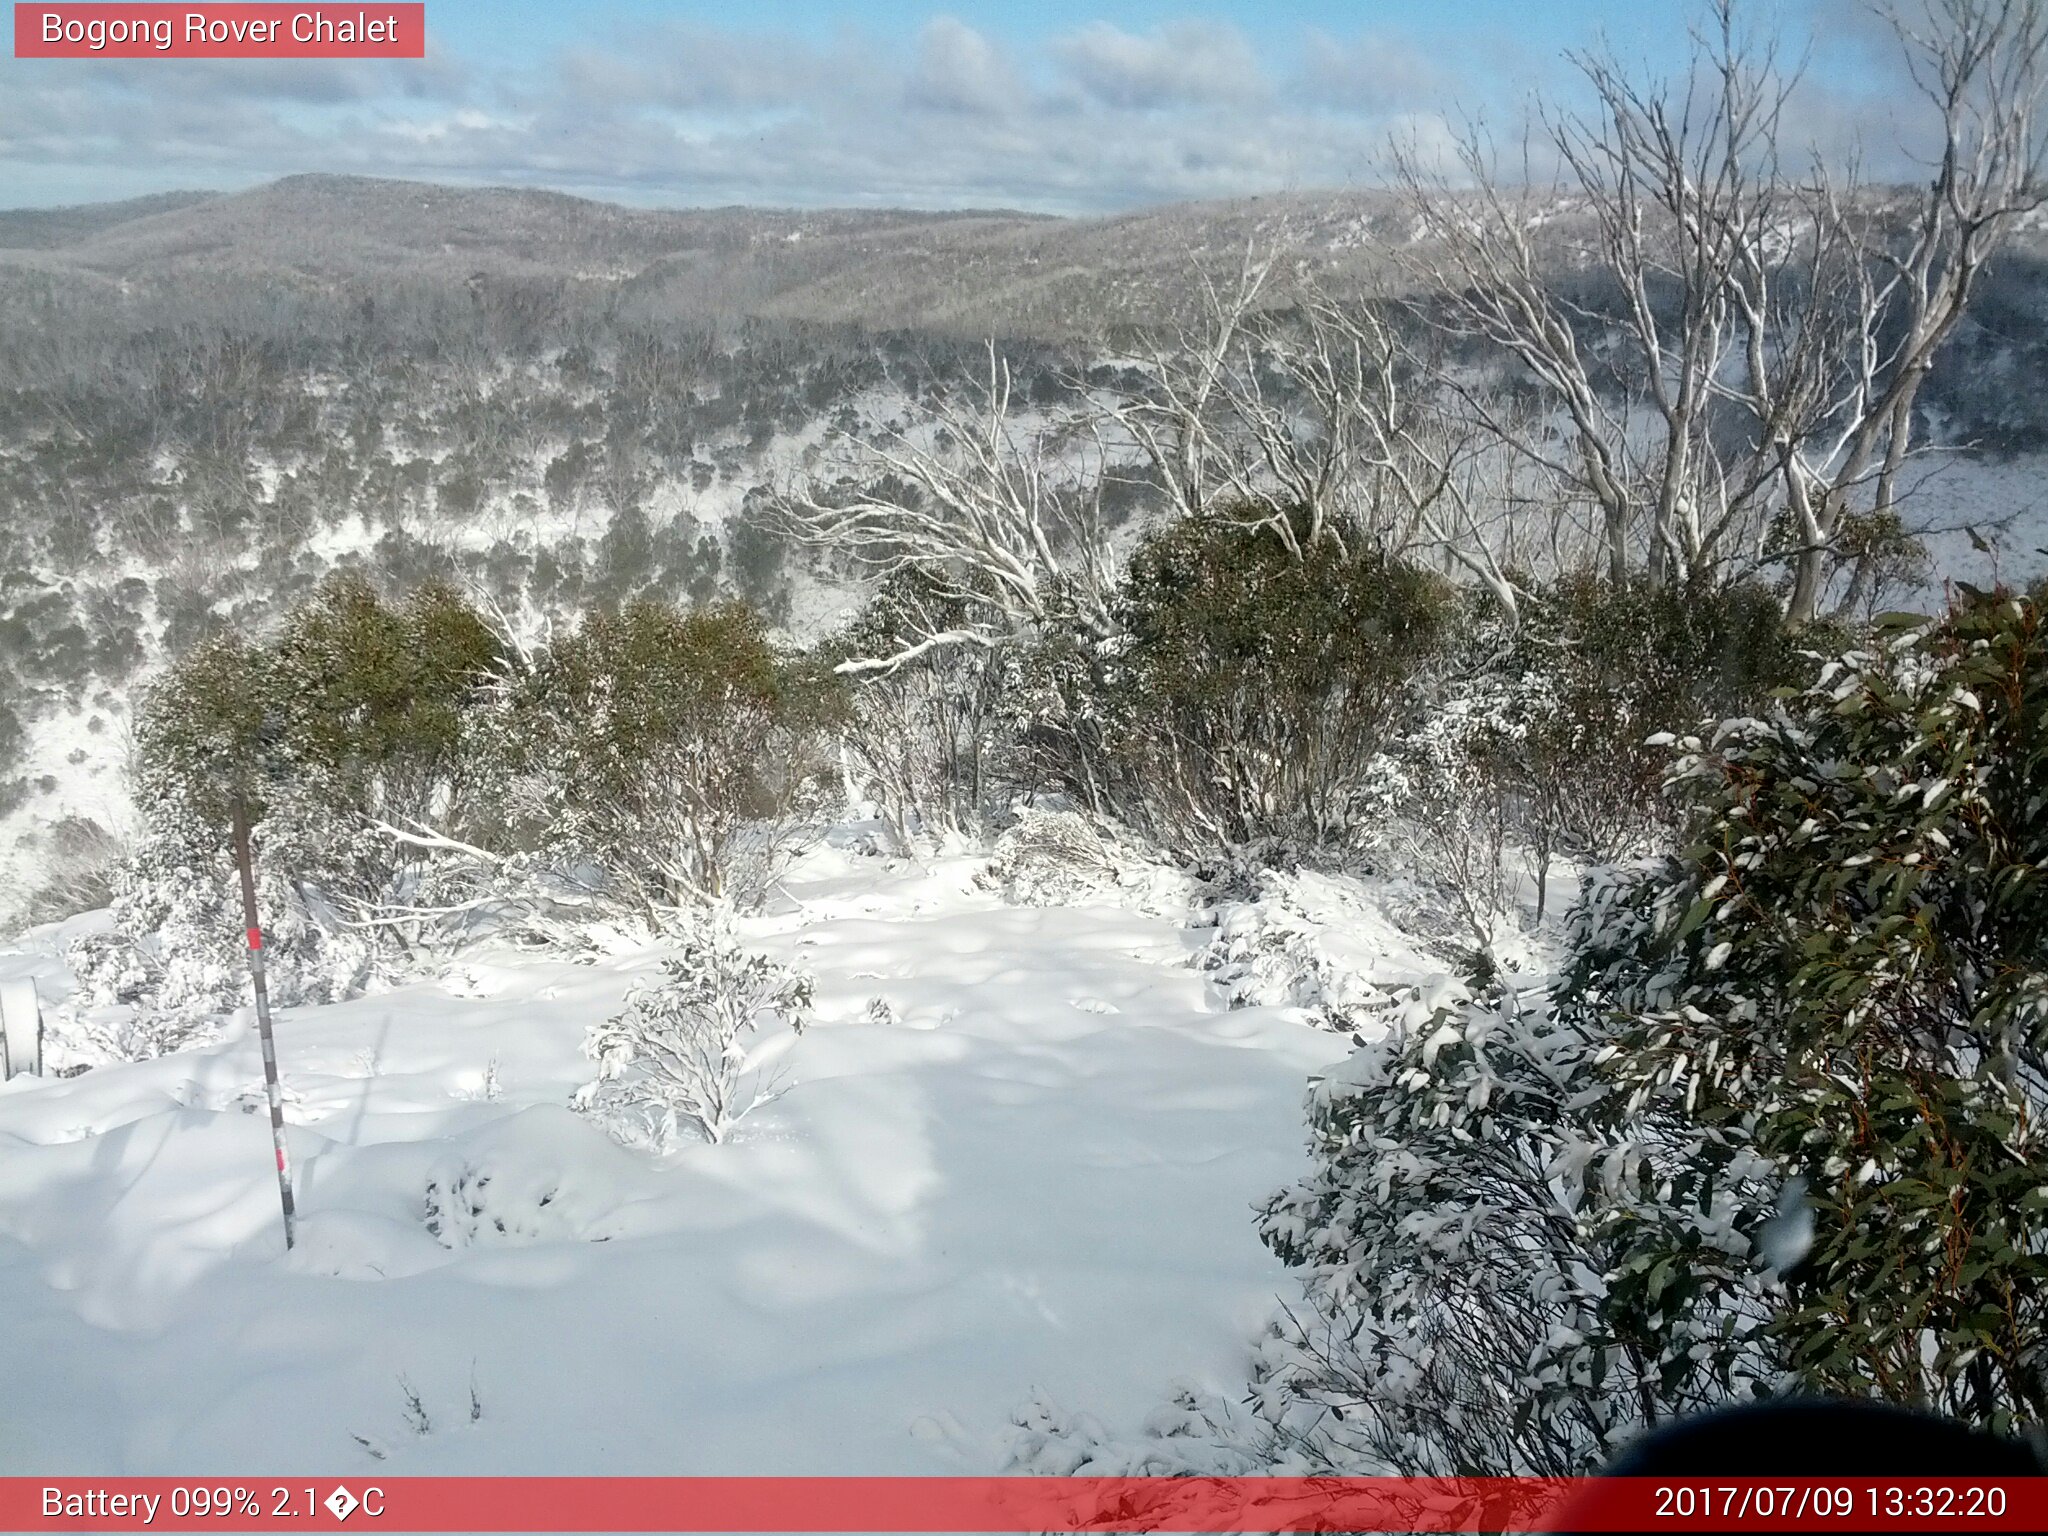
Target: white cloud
[
  {"x": 1368, "y": 73},
  {"x": 959, "y": 70},
  {"x": 1095, "y": 119},
  {"x": 1184, "y": 63}
]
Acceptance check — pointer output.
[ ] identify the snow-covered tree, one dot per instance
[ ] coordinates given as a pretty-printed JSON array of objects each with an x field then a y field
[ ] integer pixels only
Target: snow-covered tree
[
  {"x": 682, "y": 1054},
  {"x": 1000, "y": 513},
  {"x": 1777, "y": 1125},
  {"x": 1745, "y": 391},
  {"x": 666, "y": 747},
  {"x": 926, "y": 742},
  {"x": 1846, "y": 973}
]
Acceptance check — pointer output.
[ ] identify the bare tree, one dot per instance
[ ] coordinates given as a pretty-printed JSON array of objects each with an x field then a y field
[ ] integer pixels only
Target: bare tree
[
  {"x": 1748, "y": 359},
  {"x": 1979, "y": 65},
  {"x": 1002, "y": 519},
  {"x": 1316, "y": 416}
]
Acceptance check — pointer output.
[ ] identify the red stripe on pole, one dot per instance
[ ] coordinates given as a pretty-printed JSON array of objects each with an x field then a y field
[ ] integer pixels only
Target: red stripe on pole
[
  {"x": 280, "y": 1159},
  {"x": 1004, "y": 1504},
  {"x": 255, "y": 938}
]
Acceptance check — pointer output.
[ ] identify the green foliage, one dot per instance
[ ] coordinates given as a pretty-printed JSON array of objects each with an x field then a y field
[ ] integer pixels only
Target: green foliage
[
  {"x": 13, "y": 738},
  {"x": 358, "y": 707},
  {"x": 1846, "y": 970},
  {"x": 649, "y": 739},
  {"x": 1255, "y": 685},
  {"x": 1644, "y": 659},
  {"x": 1464, "y": 1244},
  {"x": 374, "y": 695},
  {"x": 1593, "y": 674},
  {"x": 625, "y": 555},
  {"x": 205, "y": 733},
  {"x": 760, "y": 556},
  {"x": 1778, "y": 1126}
]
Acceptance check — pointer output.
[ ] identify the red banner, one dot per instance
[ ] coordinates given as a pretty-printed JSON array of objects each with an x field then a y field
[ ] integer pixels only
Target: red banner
[
  {"x": 100, "y": 31},
  {"x": 1003, "y": 1504}
]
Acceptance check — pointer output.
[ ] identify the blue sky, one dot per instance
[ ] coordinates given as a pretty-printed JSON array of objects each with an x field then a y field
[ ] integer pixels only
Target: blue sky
[
  {"x": 1059, "y": 105},
  {"x": 511, "y": 28}
]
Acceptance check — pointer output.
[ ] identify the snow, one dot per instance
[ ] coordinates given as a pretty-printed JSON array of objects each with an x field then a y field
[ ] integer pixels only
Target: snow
[{"x": 1034, "y": 1171}]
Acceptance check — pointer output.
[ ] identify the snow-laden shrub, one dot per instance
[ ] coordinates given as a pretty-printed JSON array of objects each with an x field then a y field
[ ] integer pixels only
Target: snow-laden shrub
[
  {"x": 1448, "y": 816},
  {"x": 355, "y": 711},
  {"x": 1776, "y": 1126},
  {"x": 679, "y": 1056},
  {"x": 1298, "y": 939},
  {"x": 1050, "y": 858},
  {"x": 1193, "y": 1434},
  {"x": 462, "y": 1210},
  {"x": 1461, "y": 1245},
  {"x": 1255, "y": 680},
  {"x": 358, "y": 709},
  {"x": 1055, "y": 857},
  {"x": 1264, "y": 953},
  {"x": 79, "y": 861},
  {"x": 1845, "y": 972},
  {"x": 176, "y": 958},
  {"x": 1541, "y": 742}
]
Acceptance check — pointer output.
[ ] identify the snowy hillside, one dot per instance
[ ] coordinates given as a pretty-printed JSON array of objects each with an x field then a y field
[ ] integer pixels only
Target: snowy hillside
[{"x": 1031, "y": 1166}]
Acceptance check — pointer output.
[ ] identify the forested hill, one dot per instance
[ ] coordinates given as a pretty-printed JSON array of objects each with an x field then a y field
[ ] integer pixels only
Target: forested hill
[
  {"x": 978, "y": 271},
  {"x": 213, "y": 401}
]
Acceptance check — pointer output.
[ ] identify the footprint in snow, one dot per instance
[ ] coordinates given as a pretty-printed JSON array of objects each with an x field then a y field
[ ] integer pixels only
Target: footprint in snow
[{"x": 1093, "y": 1005}]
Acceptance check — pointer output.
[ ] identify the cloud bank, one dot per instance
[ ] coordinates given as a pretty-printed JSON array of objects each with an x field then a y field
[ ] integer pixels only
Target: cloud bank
[{"x": 1095, "y": 118}]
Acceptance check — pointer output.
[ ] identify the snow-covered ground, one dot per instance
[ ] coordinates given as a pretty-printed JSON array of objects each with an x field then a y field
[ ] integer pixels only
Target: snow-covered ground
[{"x": 1038, "y": 1175}]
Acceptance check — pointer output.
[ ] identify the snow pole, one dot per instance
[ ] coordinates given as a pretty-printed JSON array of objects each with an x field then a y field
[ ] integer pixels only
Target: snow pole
[{"x": 254, "y": 932}]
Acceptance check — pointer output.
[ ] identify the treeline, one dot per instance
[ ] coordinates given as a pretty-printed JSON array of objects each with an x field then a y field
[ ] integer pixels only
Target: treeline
[
  {"x": 408, "y": 761},
  {"x": 162, "y": 423},
  {"x": 175, "y": 462}
]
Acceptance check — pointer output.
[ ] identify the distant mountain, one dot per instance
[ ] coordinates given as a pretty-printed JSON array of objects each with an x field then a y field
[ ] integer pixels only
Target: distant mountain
[
  {"x": 969, "y": 274},
  {"x": 46, "y": 228},
  {"x": 1015, "y": 273}
]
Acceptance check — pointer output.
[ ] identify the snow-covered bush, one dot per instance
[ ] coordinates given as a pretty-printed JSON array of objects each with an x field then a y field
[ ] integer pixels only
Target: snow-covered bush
[
  {"x": 1256, "y": 680},
  {"x": 80, "y": 859},
  {"x": 1050, "y": 858},
  {"x": 1448, "y": 820},
  {"x": 1775, "y": 1126},
  {"x": 678, "y": 1056},
  {"x": 1459, "y": 1243},
  {"x": 1304, "y": 940},
  {"x": 1193, "y": 1434},
  {"x": 355, "y": 711},
  {"x": 1538, "y": 744},
  {"x": 176, "y": 958},
  {"x": 1845, "y": 972}
]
